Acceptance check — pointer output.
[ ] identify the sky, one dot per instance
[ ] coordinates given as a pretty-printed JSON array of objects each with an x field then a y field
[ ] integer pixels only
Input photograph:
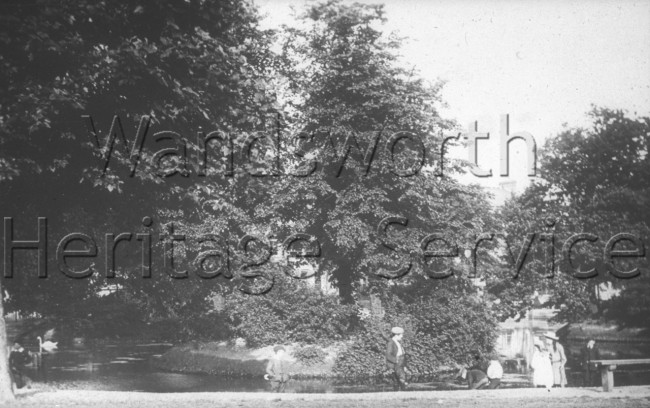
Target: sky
[{"x": 542, "y": 62}]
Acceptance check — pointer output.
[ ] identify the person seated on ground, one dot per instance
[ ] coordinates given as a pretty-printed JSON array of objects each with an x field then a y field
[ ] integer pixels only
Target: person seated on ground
[
  {"x": 18, "y": 358},
  {"x": 494, "y": 373},
  {"x": 276, "y": 371},
  {"x": 475, "y": 378},
  {"x": 480, "y": 363}
]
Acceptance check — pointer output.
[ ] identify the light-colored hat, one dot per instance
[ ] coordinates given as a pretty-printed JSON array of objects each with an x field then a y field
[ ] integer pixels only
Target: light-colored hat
[
  {"x": 551, "y": 335},
  {"x": 397, "y": 330}
]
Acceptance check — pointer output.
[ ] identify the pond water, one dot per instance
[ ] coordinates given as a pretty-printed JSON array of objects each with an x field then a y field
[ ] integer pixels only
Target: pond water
[{"x": 130, "y": 368}]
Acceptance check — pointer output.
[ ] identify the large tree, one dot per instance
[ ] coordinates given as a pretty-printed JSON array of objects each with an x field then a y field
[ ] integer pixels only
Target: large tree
[
  {"x": 343, "y": 168},
  {"x": 189, "y": 66},
  {"x": 593, "y": 181}
]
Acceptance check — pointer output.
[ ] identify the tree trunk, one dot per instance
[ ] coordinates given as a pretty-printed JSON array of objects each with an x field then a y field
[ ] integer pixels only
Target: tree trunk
[{"x": 6, "y": 389}]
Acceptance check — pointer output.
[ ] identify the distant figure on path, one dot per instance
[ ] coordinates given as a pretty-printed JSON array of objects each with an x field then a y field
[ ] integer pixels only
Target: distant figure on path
[
  {"x": 395, "y": 358},
  {"x": 590, "y": 353},
  {"x": 541, "y": 364},
  {"x": 18, "y": 358},
  {"x": 558, "y": 359},
  {"x": 276, "y": 370},
  {"x": 494, "y": 373}
]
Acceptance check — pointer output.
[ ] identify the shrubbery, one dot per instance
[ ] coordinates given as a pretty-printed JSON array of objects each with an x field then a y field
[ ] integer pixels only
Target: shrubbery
[
  {"x": 438, "y": 332},
  {"x": 310, "y": 355},
  {"x": 290, "y": 312}
]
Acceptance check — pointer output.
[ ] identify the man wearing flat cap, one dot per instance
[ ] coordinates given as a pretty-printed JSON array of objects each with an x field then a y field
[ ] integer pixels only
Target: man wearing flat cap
[{"x": 395, "y": 358}]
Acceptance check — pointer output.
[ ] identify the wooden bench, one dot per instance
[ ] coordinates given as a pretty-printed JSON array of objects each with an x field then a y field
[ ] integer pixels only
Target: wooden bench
[{"x": 607, "y": 368}]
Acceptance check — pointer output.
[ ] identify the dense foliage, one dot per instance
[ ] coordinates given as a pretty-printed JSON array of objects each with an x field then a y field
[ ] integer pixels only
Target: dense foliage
[
  {"x": 594, "y": 181},
  {"x": 310, "y": 355},
  {"x": 213, "y": 71},
  {"x": 440, "y": 331},
  {"x": 291, "y": 312},
  {"x": 331, "y": 90},
  {"x": 188, "y": 65},
  {"x": 191, "y": 65}
]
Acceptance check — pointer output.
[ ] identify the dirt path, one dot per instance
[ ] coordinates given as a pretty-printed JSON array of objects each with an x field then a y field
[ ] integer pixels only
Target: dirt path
[{"x": 638, "y": 396}]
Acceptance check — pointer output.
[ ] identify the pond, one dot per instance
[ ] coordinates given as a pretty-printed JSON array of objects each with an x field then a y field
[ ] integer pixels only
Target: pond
[{"x": 122, "y": 367}]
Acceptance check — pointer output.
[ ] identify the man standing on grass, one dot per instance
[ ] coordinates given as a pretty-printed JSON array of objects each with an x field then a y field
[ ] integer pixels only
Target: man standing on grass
[
  {"x": 395, "y": 358},
  {"x": 276, "y": 370}
]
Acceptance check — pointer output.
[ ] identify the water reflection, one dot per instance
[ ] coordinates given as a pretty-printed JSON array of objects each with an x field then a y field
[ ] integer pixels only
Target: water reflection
[{"x": 129, "y": 368}]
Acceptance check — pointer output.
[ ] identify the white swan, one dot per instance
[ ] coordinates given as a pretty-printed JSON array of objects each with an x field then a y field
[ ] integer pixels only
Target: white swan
[{"x": 47, "y": 346}]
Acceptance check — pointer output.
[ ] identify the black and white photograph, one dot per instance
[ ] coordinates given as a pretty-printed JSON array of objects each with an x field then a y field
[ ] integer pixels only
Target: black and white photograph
[{"x": 325, "y": 203}]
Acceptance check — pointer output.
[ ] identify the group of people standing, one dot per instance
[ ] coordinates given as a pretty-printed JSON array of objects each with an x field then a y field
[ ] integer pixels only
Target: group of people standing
[
  {"x": 548, "y": 363},
  {"x": 549, "y": 360},
  {"x": 477, "y": 376}
]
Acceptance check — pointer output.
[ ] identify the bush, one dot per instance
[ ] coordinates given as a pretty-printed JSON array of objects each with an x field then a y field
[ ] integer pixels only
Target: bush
[
  {"x": 210, "y": 326},
  {"x": 437, "y": 333},
  {"x": 290, "y": 312},
  {"x": 310, "y": 355}
]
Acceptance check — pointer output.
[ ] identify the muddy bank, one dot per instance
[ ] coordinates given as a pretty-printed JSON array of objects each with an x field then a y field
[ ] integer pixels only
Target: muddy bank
[{"x": 228, "y": 360}]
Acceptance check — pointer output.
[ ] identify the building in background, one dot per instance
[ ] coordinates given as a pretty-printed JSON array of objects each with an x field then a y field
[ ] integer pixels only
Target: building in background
[
  {"x": 502, "y": 193},
  {"x": 516, "y": 338}
]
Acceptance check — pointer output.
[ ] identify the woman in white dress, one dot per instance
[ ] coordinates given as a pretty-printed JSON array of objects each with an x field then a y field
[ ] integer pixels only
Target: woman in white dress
[{"x": 542, "y": 368}]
